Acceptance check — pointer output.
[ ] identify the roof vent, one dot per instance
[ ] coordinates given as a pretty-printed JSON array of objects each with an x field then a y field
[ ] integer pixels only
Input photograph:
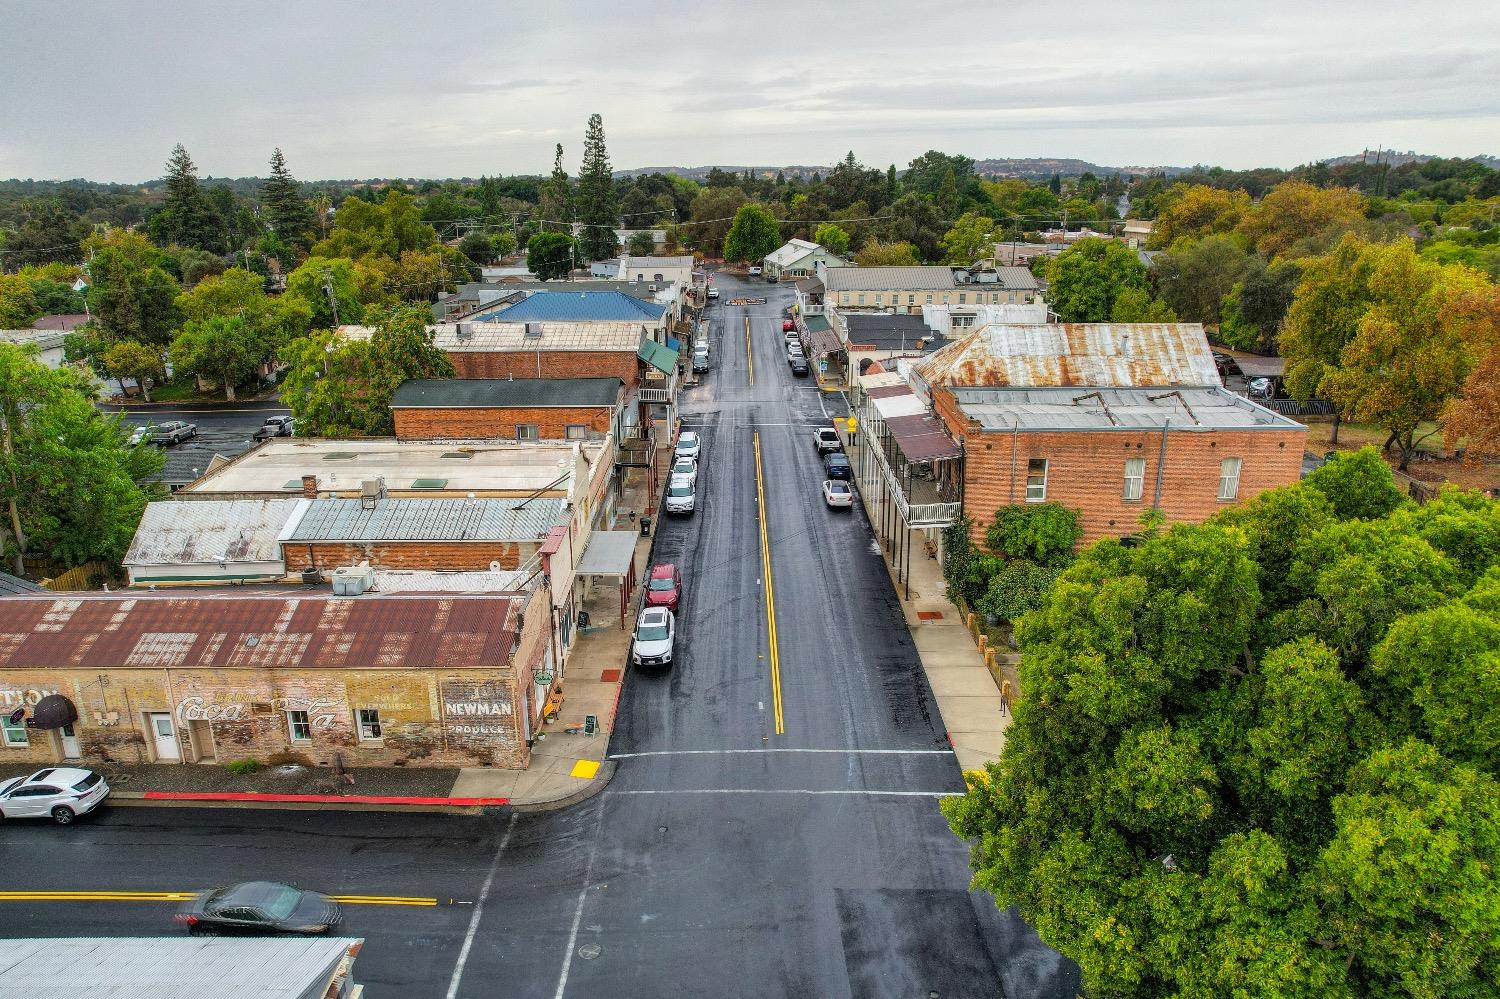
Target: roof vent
[
  {"x": 466, "y": 331},
  {"x": 371, "y": 491},
  {"x": 533, "y": 331}
]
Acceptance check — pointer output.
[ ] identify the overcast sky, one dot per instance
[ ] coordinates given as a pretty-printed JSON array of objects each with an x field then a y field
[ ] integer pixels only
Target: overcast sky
[{"x": 381, "y": 88}]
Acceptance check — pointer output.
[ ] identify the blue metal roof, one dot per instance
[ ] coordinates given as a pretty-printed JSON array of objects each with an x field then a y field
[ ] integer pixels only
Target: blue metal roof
[{"x": 577, "y": 306}]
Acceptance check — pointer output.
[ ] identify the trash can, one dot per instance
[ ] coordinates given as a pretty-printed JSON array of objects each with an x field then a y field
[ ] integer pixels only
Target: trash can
[{"x": 645, "y": 527}]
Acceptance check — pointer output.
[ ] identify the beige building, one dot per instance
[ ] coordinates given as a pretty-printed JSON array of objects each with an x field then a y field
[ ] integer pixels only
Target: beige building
[{"x": 909, "y": 289}]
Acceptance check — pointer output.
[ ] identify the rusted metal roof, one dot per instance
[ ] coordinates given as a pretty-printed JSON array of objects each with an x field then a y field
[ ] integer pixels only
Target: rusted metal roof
[
  {"x": 922, "y": 438},
  {"x": 822, "y": 341},
  {"x": 885, "y": 391},
  {"x": 173, "y": 532},
  {"x": 304, "y": 630},
  {"x": 1101, "y": 355}
]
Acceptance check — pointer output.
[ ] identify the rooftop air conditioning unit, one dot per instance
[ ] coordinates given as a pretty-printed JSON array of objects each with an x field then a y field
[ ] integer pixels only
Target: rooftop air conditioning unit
[
  {"x": 653, "y": 287},
  {"x": 533, "y": 331},
  {"x": 352, "y": 580},
  {"x": 371, "y": 491},
  {"x": 465, "y": 331}
]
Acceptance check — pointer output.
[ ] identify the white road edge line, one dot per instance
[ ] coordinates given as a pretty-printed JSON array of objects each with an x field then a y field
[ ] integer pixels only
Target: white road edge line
[
  {"x": 835, "y": 752},
  {"x": 759, "y": 790},
  {"x": 583, "y": 893},
  {"x": 484, "y": 893}
]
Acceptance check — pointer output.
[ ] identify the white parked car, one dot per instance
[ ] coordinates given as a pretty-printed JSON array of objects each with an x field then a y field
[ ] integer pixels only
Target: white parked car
[
  {"x": 836, "y": 493},
  {"x": 684, "y": 468},
  {"x": 59, "y": 793},
  {"x": 713, "y": 294},
  {"x": 755, "y": 272},
  {"x": 687, "y": 445},
  {"x": 681, "y": 495},
  {"x": 826, "y": 439},
  {"x": 655, "y": 630}
]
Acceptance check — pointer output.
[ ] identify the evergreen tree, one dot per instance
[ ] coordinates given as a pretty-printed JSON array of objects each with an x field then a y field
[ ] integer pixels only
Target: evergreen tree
[
  {"x": 555, "y": 208},
  {"x": 285, "y": 211},
  {"x": 597, "y": 209},
  {"x": 188, "y": 217},
  {"x": 892, "y": 188}
]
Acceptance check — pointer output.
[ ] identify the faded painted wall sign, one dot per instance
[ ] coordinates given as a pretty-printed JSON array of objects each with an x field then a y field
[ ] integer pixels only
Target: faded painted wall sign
[
  {"x": 321, "y": 712},
  {"x": 194, "y": 709},
  {"x": 476, "y": 711},
  {"x": 14, "y": 697}
]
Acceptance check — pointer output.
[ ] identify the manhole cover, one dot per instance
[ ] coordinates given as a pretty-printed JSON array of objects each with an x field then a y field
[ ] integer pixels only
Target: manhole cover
[{"x": 589, "y": 951}]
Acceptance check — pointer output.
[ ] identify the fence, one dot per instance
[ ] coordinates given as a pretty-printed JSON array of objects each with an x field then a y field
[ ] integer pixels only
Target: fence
[
  {"x": 1291, "y": 407},
  {"x": 88, "y": 576}
]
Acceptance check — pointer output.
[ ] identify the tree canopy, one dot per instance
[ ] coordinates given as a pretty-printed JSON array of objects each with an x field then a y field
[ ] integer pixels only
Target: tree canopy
[
  {"x": 1084, "y": 280},
  {"x": 598, "y": 209},
  {"x": 753, "y": 234}
]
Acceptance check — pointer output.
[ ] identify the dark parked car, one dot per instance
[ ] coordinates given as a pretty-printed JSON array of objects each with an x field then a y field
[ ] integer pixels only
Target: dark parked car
[
  {"x": 799, "y": 365},
  {"x": 259, "y": 907},
  {"x": 174, "y": 432},
  {"x": 837, "y": 466}
]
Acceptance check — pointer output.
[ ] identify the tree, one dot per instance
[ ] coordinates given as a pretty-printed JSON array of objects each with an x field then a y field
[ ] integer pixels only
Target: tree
[
  {"x": 71, "y": 489},
  {"x": 1473, "y": 419},
  {"x": 642, "y": 244},
  {"x": 54, "y": 297},
  {"x": 502, "y": 244},
  {"x": 549, "y": 255},
  {"x": 1194, "y": 277},
  {"x": 130, "y": 295},
  {"x": 555, "y": 209},
  {"x": 917, "y": 221},
  {"x": 1085, "y": 279},
  {"x": 1357, "y": 486},
  {"x": 1193, "y": 211},
  {"x": 971, "y": 237},
  {"x": 363, "y": 229},
  {"x": 597, "y": 209},
  {"x": 753, "y": 234},
  {"x": 337, "y": 386},
  {"x": 334, "y": 291},
  {"x": 832, "y": 238},
  {"x": 1297, "y": 219},
  {"x": 1252, "y": 313},
  {"x": 187, "y": 217},
  {"x": 142, "y": 364},
  {"x": 928, "y": 173},
  {"x": 18, "y": 305},
  {"x": 1135, "y": 305},
  {"x": 712, "y": 212},
  {"x": 48, "y": 232},
  {"x": 286, "y": 212},
  {"x": 878, "y": 254},
  {"x": 477, "y": 247},
  {"x": 1425, "y": 327},
  {"x": 223, "y": 349}
]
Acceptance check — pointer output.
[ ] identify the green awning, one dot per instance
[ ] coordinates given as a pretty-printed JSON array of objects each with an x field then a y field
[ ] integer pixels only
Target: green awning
[{"x": 663, "y": 359}]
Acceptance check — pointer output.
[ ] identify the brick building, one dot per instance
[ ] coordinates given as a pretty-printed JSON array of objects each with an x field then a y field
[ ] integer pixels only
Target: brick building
[
  {"x": 544, "y": 350},
  {"x": 515, "y": 409},
  {"x": 415, "y": 679}
]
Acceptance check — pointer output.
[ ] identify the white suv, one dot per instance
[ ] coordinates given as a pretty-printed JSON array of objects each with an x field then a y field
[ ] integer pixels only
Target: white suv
[
  {"x": 681, "y": 496},
  {"x": 655, "y": 631},
  {"x": 63, "y": 793}
]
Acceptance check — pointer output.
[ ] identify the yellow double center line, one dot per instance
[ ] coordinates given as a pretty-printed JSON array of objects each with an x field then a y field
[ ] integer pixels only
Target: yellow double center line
[
  {"x": 765, "y": 564},
  {"x": 183, "y": 896},
  {"x": 749, "y": 354}
]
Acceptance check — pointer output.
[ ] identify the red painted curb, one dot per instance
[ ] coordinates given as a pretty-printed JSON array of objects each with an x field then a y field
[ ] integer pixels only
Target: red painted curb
[{"x": 367, "y": 799}]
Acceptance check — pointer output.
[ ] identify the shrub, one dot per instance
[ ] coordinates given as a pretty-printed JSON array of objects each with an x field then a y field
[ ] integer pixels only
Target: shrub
[
  {"x": 1044, "y": 533},
  {"x": 1018, "y": 588},
  {"x": 241, "y": 767}
]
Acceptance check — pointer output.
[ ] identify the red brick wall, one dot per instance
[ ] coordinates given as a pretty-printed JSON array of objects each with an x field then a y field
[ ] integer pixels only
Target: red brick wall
[
  {"x": 499, "y": 421},
  {"x": 1086, "y": 470},
  {"x": 406, "y": 555},
  {"x": 554, "y": 364}
]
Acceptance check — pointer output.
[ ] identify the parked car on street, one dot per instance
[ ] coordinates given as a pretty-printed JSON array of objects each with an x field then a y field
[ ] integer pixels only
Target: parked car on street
[
  {"x": 755, "y": 272},
  {"x": 836, "y": 493},
  {"x": 687, "y": 445},
  {"x": 827, "y": 440},
  {"x": 259, "y": 907},
  {"x": 684, "y": 468},
  {"x": 713, "y": 294},
  {"x": 173, "y": 432},
  {"x": 1266, "y": 388},
  {"x": 836, "y": 466},
  {"x": 771, "y": 279},
  {"x": 655, "y": 630},
  {"x": 700, "y": 358},
  {"x": 792, "y": 337},
  {"x": 681, "y": 495},
  {"x": 794, "y": 350},
  {"x": 665, "y": 586},
  {"x": 787, "y": 326},
  {"x": 799, "y": 365},
  {"x": 59, "y": 793},
  {"x": 141, "y": 434},
  {"x": 275, "y": 426}
]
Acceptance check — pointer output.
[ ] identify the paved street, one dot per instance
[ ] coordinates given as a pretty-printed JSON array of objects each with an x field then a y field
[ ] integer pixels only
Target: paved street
[{"x": 773, "y": 827}]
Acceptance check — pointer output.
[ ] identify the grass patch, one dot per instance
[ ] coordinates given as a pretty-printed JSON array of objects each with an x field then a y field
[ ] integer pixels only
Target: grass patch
[{"x": 241, "y": 767}]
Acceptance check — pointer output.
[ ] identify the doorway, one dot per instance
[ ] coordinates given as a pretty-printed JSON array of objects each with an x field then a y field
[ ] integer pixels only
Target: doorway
[
  {"x": 70, "y": 747},
  {"x": 165, "y": 737}
]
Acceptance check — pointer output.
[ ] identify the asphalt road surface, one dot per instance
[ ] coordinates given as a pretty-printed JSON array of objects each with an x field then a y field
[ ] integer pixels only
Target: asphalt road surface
[{"x": 772, "y": 829}]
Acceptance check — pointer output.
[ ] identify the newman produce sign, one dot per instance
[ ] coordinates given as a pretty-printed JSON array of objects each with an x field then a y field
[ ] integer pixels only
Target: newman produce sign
[{"x": 477, "y": 712}]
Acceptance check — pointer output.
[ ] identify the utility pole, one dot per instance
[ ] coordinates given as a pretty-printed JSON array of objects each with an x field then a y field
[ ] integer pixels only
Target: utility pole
[{"x": 333, "y": 302}]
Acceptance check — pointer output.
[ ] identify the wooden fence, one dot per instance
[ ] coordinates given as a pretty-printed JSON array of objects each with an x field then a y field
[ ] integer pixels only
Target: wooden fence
[{"x": 88, "y": 576}]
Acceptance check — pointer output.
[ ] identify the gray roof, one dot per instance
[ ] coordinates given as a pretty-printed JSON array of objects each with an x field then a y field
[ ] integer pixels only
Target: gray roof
[
  {"x": 15, "y": 584},
  {"x": 489, "y": 393},
  {"x": 608, "y": 553},
  {"x": 1189, "y": 409},
  {"x": 172, "y": 967},
  {"x": 882, "y": 331},
  {"x": 888, "y": 278},
  {"x": 178, "y": 532},
  {"x": 1015, "y": 278},
  {"x": 489, "y": 519}
]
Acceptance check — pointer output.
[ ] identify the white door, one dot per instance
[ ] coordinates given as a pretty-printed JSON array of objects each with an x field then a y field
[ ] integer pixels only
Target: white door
[
  {"x": 165, "y": 736},
  {"x": 70, "y": 743}
]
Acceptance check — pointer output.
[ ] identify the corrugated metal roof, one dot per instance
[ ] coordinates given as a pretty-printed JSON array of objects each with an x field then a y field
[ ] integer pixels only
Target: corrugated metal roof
[
  {"x": 903, "y": 404},
  {"x": 15, "y": 584},
  {"x": 172, "y": 967},
  {"x": 437, "y": 581},
  {"x": 1015, "y": 278},
  {"x": 888, "y": 278},
  {"x": 1075, "y": 354},
  {"x": 508, "y": 337},
  {"x": 922, "y": 438},
  {"x": 309, "y": 630},
  {"x": 179, "y": 532},
  {"x": 822, "y": 341},
  {"x": 482, "y": 393},
  {"x": 1115, "y": 409},
  {"x": 686, "y": 260},
  {"x": 502, "y": 519},
  {"x": 578, "y": 307}
]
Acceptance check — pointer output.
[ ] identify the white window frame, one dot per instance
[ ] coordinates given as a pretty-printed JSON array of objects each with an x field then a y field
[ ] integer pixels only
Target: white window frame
[
  {"x": 576, "y": 432},
  {"x": 1032, "y": 493},
  {"x": 534, "y": 432},
  {"x": 370, "y": 728},
  {"x": 293, "y": 723},
  {"x": 22, "y": 740},
  {"x": 1135, "y": 481},
  {"x": 961, "y": 298},
  {"x": 1229, "y": 479}
]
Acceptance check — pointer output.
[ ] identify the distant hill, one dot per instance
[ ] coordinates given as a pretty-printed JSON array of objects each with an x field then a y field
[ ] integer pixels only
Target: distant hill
[
  {"x": 1038, "y": 168},
  {"x": 700, "y": 173},
  {"x": 1401, "y": 159}
]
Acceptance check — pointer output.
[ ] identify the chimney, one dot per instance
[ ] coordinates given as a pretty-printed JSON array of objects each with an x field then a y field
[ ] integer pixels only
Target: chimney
[{"x": 310, "y": 486}]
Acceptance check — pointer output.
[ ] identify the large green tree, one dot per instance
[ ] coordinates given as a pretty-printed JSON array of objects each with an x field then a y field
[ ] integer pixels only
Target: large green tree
[
  {"x": 1255, "y": 757},
  {"x": 284, "y": 209},
  {"x": 753, "y": 234},
  {"x": 598, "y": 210},
  {"x": 47, "y": 233},
  {"x": 18, "y": 305},
  {"x": 187, "y": 217},
  {"x": 1252, "y": 312},
  {"x": 364, "y": 229},
  {"x": 131, "y": 295},
  {"x": 223, "y": 349},
  {"x": 1084, "y": 280},
  {"x": 549, "y": 255},
  {"x": 971, "y": 237},
  {"x": 554, "y": 211},
  {"x": 832, "y": 237},
  {"x": 1194, "y": 276},
  {"x": 916, "y": 220}
]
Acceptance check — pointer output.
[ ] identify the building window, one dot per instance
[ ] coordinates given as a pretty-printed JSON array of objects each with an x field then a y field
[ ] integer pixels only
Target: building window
[
  {"x": 528, "y": 432},
  {"x": 929, "y": 298},
  {"x": 369, "y": 724},
  {"x": 300, "y": 727},
  {"x": 962, "y": 298},
  {"x": 861, "y": 298},
  {"x": 1229, "y": 478},
  {"x": 15, "y": 734},
  {"x": 1036, "y": 480},
  {"x": 575, "y": 432},
  {"x": 1135, "y": 477},
  {"x": 911, "y": 300}
]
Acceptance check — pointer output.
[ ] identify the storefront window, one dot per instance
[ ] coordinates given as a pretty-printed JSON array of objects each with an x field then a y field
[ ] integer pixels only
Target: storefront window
[
  {"x": 299, "y": 726},
  {"x": 369, "y": 724},
  {"x": 15, "y": 734}
]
